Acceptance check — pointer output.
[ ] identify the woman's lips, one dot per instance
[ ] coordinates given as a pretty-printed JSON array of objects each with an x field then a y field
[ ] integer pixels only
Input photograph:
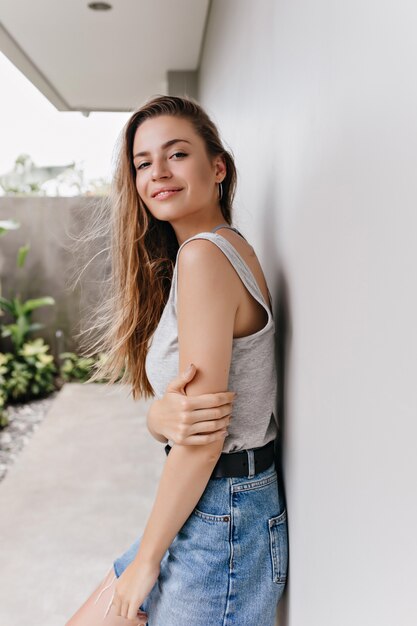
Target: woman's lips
[{"x": 166, "y": 194}]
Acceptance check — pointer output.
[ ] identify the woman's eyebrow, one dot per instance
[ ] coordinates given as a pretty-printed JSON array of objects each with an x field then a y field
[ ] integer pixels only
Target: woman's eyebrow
[{"x": 164, "y": 145}]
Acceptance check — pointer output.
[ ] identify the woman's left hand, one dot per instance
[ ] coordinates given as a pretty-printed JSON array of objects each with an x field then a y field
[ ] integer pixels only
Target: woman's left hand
[{"x": 132, "y": 587}]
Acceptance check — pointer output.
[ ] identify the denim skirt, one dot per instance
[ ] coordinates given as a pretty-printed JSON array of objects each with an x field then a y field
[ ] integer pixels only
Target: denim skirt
[{"x": 228, "y": 563}]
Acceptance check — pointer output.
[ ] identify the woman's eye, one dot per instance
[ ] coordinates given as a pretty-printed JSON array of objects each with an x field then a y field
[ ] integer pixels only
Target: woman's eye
[{"x": 176, "y": 154}]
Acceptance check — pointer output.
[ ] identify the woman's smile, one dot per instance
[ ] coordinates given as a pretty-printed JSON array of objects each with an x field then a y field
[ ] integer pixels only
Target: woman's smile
[{"x": 162, "y": 195}]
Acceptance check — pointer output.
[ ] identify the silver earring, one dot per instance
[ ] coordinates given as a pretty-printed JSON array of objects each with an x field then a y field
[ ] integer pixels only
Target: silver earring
[{"x": 220, "y": 191}]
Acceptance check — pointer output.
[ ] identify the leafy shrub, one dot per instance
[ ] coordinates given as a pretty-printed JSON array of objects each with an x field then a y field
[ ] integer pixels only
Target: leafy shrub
[
  {"x": 30, "y": 371},
  {"x": 78, "y": 368},
  {"x": 28, "y": 374},
  {"x": 3, "y": 397}
]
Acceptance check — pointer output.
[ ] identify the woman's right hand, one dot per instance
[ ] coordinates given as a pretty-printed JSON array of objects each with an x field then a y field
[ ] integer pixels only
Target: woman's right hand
[{"x": 190, "y": 420}]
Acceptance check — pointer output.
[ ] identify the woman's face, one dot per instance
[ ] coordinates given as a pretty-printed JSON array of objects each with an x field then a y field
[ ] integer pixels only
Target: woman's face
[{"x": 181, "y": 167}]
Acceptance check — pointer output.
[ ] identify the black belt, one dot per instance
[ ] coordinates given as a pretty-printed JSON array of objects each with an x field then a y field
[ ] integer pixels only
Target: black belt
[{"x": 236, "y": 464}]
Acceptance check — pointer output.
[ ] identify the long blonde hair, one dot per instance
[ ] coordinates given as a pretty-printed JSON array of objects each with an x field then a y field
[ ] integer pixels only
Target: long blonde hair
[{"x": 143, "y": 250}]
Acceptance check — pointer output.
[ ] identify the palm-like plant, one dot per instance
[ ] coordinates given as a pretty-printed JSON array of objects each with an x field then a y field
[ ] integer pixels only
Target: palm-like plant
[{"x": 21, "y": 312}]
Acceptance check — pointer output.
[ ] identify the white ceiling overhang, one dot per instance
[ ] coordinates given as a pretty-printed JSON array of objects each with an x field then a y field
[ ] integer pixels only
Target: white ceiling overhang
[{"x": 113, "y": 60}]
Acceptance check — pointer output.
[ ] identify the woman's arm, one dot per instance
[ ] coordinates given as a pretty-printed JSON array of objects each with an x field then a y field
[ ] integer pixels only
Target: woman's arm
[
  {"x": 189, "y": 420},
  {"x": 206, "y": 307},
  {"x": 207, "y": 302},
  {"x": 151, "y": 418}
]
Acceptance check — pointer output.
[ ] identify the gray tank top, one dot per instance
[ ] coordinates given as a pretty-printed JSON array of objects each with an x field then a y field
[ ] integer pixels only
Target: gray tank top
[{"x": 252, "y": 371}]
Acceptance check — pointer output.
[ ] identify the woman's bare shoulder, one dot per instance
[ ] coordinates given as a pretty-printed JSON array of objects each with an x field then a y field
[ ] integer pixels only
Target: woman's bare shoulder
[{"x": 202, "y": 259}]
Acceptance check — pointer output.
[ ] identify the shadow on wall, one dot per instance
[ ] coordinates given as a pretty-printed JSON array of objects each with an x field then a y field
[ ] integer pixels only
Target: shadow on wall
[
  {"x": 281, "y": 307},
  {"x": 282, "y": 343}
]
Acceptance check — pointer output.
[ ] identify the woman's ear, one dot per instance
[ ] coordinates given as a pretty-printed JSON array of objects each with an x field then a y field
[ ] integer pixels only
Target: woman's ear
[{"x": 220, "y": 167}]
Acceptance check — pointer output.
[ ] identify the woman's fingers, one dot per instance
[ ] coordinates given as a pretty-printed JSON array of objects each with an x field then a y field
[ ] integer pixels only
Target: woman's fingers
[
  {"x": 210, "y": 400},
  {"x": 212, "y": 416},
  {"x": 203, "y": 415},
  {"x": 213, "y": 428},
  {"x": 209, "y": 426},
  {"x": 178, "y": 383},
  {"x": 142, "y": 616},
  {"x": 199, "y": 440},
  {"x": 206, "y": 416}
]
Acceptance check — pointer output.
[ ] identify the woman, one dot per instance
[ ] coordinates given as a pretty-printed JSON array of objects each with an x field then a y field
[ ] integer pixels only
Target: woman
[{"x": 214, "y": 551}]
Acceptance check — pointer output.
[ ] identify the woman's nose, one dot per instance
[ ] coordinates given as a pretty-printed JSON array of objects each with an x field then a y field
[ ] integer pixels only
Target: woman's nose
[{"x": 160, "y": 169}]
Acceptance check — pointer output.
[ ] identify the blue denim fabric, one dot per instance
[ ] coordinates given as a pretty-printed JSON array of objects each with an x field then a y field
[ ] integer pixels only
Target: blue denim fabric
[{"x": 228, "y": 563}]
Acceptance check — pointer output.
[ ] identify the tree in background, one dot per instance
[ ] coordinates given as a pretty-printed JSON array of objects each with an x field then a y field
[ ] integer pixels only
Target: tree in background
[{"x": 26, "y": 178}]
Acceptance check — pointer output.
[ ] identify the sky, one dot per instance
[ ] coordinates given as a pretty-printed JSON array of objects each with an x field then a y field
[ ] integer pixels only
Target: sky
[{"x": 30, "y": 124}]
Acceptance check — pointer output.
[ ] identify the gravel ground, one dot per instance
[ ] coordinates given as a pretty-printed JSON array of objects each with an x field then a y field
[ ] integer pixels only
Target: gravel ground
[{"x": 24, "y": 419}]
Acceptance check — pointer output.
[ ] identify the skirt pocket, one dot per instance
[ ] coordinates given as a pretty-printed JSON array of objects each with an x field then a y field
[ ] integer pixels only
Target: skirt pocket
[{"x": 278, "y": 545}]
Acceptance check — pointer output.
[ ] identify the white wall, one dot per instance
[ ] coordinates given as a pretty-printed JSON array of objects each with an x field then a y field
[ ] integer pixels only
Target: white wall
[{"x": 318, "y": 101}]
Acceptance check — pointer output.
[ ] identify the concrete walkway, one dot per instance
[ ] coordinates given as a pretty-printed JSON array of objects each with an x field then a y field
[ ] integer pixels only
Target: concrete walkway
[{"x": 77, "y": 496}]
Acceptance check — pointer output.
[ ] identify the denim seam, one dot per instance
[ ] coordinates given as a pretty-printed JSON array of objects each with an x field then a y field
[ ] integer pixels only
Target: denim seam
[
  {"x": 278, "y": 574},
  {"x": 254, "y": 484},
  {"x": 211, "y": 517},
  {"x": 229, "y": 578},
  {"x": 278, "y": 519}
]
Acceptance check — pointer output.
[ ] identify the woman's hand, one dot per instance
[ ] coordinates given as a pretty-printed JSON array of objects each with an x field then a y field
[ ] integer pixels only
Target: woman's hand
[
  {"x": 190, "y": 420},
  {"x": 131, "y": 589}
]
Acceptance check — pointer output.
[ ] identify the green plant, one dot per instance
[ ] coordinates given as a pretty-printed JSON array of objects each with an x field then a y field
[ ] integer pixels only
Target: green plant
[
  {"x": 78, "y": 368},
  {"x": 5, "y": 227},
  {"x": 30, "y": 371},
  {"x": 3, "y": 395},
  {"x": 27, "y": 374},
  {"x": 21, "y": 312}
]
